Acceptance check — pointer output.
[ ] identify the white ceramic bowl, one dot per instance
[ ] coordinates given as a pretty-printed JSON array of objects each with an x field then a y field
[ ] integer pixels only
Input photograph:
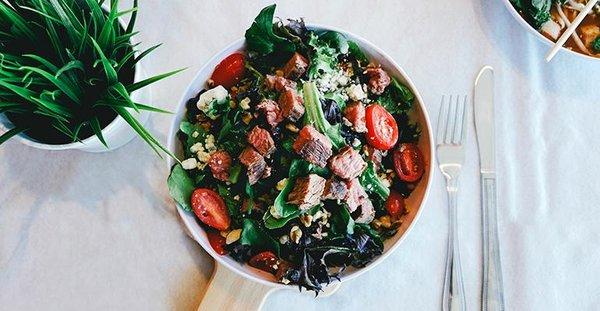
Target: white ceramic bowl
[
  {"x": 538, "y": 35},
  {"x": 415, "y": 202}
]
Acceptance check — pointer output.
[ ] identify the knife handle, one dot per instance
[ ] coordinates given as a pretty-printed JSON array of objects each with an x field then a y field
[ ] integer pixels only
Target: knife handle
[{"x": 492, "y": 290}]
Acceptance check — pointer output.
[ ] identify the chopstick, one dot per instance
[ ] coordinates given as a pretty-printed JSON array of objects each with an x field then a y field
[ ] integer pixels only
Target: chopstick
[{"x": 565, "y": 36}]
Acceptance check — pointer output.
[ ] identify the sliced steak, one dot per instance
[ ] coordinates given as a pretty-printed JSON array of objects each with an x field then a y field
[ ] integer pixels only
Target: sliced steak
[
  {"x": 313, "y": 146},
  {"x": 271, "y": 110},
  {"x": 295, "y": 67},
  {"x": 335, "y": 189},
  {"x": 307, "y": 191},
  {"x": 291, "y": 105},
  {"x": 355, "y": 113},
  {"x": 279, "y": 84},
  {"x": 255, "y": 163},
  {"x": 358, "y": 203},
  {"x": 378, "y": 79},
  {"x": 374, "y": 155},
  {"x": 262, "y": 141},
  {"x": 220, "y": 163},
  {"x": 348, "y": 164}
]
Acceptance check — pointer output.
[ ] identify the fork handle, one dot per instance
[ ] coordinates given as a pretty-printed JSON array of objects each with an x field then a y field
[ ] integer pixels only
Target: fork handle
[
  {"x": 453, "y": 298},
  {"x": 492, "y": 290}
]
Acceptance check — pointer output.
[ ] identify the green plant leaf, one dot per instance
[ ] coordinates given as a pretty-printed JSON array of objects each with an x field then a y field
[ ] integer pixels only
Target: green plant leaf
[
  {"x": 95, "y": 124},
  {"x": 143, "y": 83}
]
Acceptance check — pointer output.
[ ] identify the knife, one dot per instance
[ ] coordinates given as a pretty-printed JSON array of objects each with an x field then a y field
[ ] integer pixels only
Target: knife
[{"x": 492, "y": 291}]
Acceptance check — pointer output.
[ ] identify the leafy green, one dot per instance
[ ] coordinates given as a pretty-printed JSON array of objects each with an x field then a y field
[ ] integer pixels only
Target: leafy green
[
  {"x": 181, "y": 187},
  {"x": 596, "y": 45},
  {"x": 335, "y": 40},
  {"x": 260, "y": 37},
  {"x": 341, "y": 221},
  {"x": 216, "y": 108},
  {"x": 189, "y": 129},
  {"x": 234, "y": 173},
  {"x": 281, "y": 206},
  {"x": 397, "y": 98},
  {"x": 67, "y": 68},
  {"x": 323, "y": 58},
  {"x": 233, "y": 206},
  {"x": 536, "y": 12},
  {"x": 355, "y": 50},
  {"x": 372, "y": 184},
  {"x": 314, "y": 116},
  {"x": 257, "y": 237}
]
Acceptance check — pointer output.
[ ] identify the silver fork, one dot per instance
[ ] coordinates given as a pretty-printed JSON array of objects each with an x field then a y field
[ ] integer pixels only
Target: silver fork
[{"x": 451, "y": 134}]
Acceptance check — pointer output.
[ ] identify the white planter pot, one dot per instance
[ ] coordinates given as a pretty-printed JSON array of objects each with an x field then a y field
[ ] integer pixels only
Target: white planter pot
[{"x": 116, "y": 134}]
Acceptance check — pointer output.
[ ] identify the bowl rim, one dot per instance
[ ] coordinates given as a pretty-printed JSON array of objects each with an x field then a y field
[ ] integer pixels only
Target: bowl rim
[
  {"x": 173, "y": 144},
  {"x": 541, "y": 37}
]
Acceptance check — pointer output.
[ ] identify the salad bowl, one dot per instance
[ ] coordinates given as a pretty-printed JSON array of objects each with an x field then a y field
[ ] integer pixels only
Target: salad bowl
[
  {"x": 236, "y": 285},
  {"x": 521, "y": 20}
]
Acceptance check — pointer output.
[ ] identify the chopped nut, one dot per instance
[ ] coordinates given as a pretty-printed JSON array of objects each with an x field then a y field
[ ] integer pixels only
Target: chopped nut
[
  {"x": 306, "y": 220},
  {"x": 376, "y": 224},
  {"x": 295, "y": 234},
  {"x": 318, "y": 215},
  {"x": 245, "y": 103},
  {"x": 386, "y": 222},
  {"x": 224, "y": 233},
  {"x": 285, "y": 281},
  {"x": 281, "y": 184},
  {"x": 292, "y": 128},
  {"x": 274, "y": 212},
  {"x": 247, "y": 117},
  {"x": 284, "y": 239},
  {"x": 279, "y": 73},
  {"x": 233, "y": 236}
]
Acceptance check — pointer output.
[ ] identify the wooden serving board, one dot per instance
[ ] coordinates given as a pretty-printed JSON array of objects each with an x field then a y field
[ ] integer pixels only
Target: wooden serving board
[{"x": 227, "y": 291}]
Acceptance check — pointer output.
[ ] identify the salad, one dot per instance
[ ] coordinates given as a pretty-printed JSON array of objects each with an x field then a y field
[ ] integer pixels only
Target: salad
[{"x": 299, "y": 154}]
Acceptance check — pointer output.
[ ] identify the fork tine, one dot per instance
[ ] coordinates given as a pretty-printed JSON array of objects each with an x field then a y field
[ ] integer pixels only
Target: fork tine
[
  {"x": 464, "y": 122},
  {"x": 458, "y": 120},
  {"x": 449, "y": 121},
  {"x": 441, "y": 118}
]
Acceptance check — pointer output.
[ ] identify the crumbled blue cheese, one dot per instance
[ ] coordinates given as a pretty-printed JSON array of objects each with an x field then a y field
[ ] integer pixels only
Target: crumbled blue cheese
[
  {"x": 204, "y": 150},
  {"x": 245, "y": 103},
  {"x": 195, "y": 134},
  {"x": 189, "y": 164},
  {"x": 356, "y": 92},
  {"x": 332, "y": 81},
  {"x": 210, "y": 98}
]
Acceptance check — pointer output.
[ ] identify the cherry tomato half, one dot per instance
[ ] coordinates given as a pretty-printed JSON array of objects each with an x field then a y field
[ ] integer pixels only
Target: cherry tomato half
[
  {"x": 395, "y": 205},
  {"x": 408, "y": 162},
  {"x": 217, "y": 242},
  {"x": 266, "y": 261},
  {"x": 382, "y": 130},
  {"x": 229, "y": 71},
  {"x": 210, "y": 209}
]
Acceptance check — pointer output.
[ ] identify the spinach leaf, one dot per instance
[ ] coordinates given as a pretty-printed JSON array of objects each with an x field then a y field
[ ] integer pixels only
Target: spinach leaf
[
  {"x": 355, "y": 50},
  {"x": 257, "y": 237},
  {"x": 260, "y": 37},
  {"x": 342, "y": 222},
  {"x": 181, "y": 187},
  {"x": 372, "y": 184},
  {"x": 336, "y": 40},
  {"x": 233, "y": 206},
  {"x": 188, "y": 129},
  {"x": 397, "y": 97},
  {"x": 234, "y": 173},
  {"x": 314, "y": 116},
  {"x": 232, "y": 135}
]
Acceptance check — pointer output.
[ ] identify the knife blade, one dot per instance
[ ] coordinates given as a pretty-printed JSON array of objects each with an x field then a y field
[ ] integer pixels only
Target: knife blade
[{"x": 492, "y": 292}]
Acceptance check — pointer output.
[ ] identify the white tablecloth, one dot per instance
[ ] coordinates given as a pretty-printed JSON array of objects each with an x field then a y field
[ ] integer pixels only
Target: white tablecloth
[{"x": 99, "y": 232}]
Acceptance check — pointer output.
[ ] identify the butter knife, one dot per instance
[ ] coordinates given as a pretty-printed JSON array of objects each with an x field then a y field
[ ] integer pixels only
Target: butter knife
[{"x": 492, "y": 291}]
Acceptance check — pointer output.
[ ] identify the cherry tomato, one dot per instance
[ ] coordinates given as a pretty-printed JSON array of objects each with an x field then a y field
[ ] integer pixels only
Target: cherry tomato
[
  {"x": 382, "y": 130},
  {"x": 408, "y": 162},
  {"x": 266, "y": 261},
  {"x": 210, "y": 209},
  {"x": 217, "y": 242},
  {"x": 229, "y": 71},
  {"x": 395, "y": 205}
]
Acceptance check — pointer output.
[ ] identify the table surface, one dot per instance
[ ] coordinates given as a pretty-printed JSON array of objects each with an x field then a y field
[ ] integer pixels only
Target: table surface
[{"x": 99, "y": 231}]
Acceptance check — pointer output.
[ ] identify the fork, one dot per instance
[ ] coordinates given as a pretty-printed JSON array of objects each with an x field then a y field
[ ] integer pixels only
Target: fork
[{"x": 451, "y": 134}]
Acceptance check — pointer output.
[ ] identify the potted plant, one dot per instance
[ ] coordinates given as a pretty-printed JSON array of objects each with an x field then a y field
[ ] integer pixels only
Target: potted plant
[{"x": 70, "y": 75}]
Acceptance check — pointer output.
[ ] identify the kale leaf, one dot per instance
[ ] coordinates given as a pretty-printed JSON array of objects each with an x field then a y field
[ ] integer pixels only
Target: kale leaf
[{"x": 260, "y": 37}]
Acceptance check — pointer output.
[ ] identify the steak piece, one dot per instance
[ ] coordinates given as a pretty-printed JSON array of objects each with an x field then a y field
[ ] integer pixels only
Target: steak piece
[
  {"x": 279, "y": 84},
  {"x": 348, "y": 164},
  {"x": 378, "y": 79},
  {"x": 335, "y": 189},
  {"x": 255, "y": 163},
  {"x": 313, "y": 146},
  {"x": 262, "y": 141},
  {"x": 291, "y": 105},
  {"x": 307, "y": 191},
  {"x": 374, "y": 155},
  {"x": 220, "y": 163},
  {"x": 358, "y": 203},
  {"x": 271, "y": 110},
  {"x": 295, "y": 67},
  {"x": 355, "y": 113}
]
